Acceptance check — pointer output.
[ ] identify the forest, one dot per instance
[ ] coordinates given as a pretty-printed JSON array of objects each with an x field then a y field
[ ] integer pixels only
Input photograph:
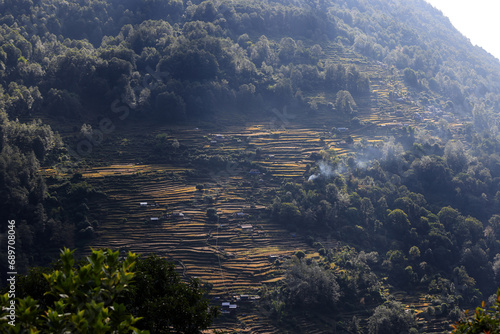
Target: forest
[{"x": 402, "y": 172}]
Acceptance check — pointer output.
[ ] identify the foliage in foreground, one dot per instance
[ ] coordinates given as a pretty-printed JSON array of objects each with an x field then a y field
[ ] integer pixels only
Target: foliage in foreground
[
  {"x": 85, "y": 298},
  {"x": 484, "y": 320},
  {"x": 103, "y": 294}
]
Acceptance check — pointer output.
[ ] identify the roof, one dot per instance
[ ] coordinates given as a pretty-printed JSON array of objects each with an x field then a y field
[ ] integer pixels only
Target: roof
[{"x": 245, "y": 226}]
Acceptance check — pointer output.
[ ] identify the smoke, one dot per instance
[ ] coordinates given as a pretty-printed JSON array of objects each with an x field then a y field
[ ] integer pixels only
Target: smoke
[
  {"x": 313, "y": 177},
  {"x": 362, "y": 164},
  {"x": 325, "y": 170}
]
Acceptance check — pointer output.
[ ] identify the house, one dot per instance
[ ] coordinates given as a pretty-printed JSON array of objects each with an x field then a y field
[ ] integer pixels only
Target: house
[
  {"x": 178, "y": 214},
  {"x": 143, "y": 204},
  {"x": 246, "y": 227},
  {"x": 342, "y": 129},
  {"x": 154, "y": 219},
  {"x": 254, "y": 172},
  {"x": 227, "y": 308}
]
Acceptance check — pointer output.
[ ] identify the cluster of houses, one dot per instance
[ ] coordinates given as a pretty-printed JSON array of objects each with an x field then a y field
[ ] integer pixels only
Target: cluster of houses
[
  {"x": 280, "y": 257},
  {"x": 237, "y": 217},
  {"x": 217, "y": 138},
  {"x": 231, "y": 306},
  {"x": 158, "y": 219},
  {"x": 146, "y": 204}
]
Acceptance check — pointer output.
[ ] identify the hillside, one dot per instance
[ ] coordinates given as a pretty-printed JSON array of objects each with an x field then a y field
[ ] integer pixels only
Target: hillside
[{"x": 324, "y": 165}]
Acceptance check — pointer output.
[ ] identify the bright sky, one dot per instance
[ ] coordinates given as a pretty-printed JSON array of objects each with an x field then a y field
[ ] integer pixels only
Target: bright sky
[{"x": 478, "y": 20}]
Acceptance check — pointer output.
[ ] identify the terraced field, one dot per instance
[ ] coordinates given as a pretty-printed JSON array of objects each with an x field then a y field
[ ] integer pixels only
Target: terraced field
[{"x": 236, "y": 253}]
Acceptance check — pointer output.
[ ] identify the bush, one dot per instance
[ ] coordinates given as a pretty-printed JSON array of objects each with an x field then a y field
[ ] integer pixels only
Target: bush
[{"x": 300, "y": 255}]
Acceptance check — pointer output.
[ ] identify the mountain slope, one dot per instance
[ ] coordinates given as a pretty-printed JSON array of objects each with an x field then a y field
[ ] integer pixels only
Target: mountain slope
[{"x": 361, "y": 136}]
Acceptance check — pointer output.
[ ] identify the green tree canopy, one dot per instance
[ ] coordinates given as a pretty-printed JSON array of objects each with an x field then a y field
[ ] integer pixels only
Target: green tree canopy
[{"x": 104, "y": 294}]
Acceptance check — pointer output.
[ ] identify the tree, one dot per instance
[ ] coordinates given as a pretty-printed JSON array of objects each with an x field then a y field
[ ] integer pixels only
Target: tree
[
  {"x": 449, "y": 217},
  {"x": 390, "y": 317},
  {"x": 212, "y": 214},
  {"x": 206, "y": 11},
  {"x": 414, "y": 253},
  {"x": 103, "y": 294},
  {"x": 310, "y": 285},
  {"x": 287, "y": 49},
  {"x": 411, "y": 77},
  {"x": 399, "y": 222},
  {"x": 300, "y": 254},
  {"x": 85, "y": 298},
  {"x": 455, "y": 156},
  {"x": 345, "y": 103},
  {"x": 166, "y": 303},
  {"x": 289, "y": 213},
  {"x": 367, "y": 209}
]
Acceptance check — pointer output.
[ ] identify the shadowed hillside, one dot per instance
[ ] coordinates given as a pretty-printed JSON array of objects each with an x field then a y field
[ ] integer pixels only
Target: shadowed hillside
[{"x": 322, "y": 165}]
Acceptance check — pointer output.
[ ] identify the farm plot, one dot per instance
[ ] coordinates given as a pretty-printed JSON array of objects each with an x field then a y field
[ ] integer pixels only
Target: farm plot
[
  {"x": 157, "y": 208},
  {"x": 157, "y": 213}
]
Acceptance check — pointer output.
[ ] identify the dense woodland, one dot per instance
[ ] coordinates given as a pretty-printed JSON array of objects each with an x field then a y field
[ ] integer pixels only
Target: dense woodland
[{"x": 422, "y": 210}]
